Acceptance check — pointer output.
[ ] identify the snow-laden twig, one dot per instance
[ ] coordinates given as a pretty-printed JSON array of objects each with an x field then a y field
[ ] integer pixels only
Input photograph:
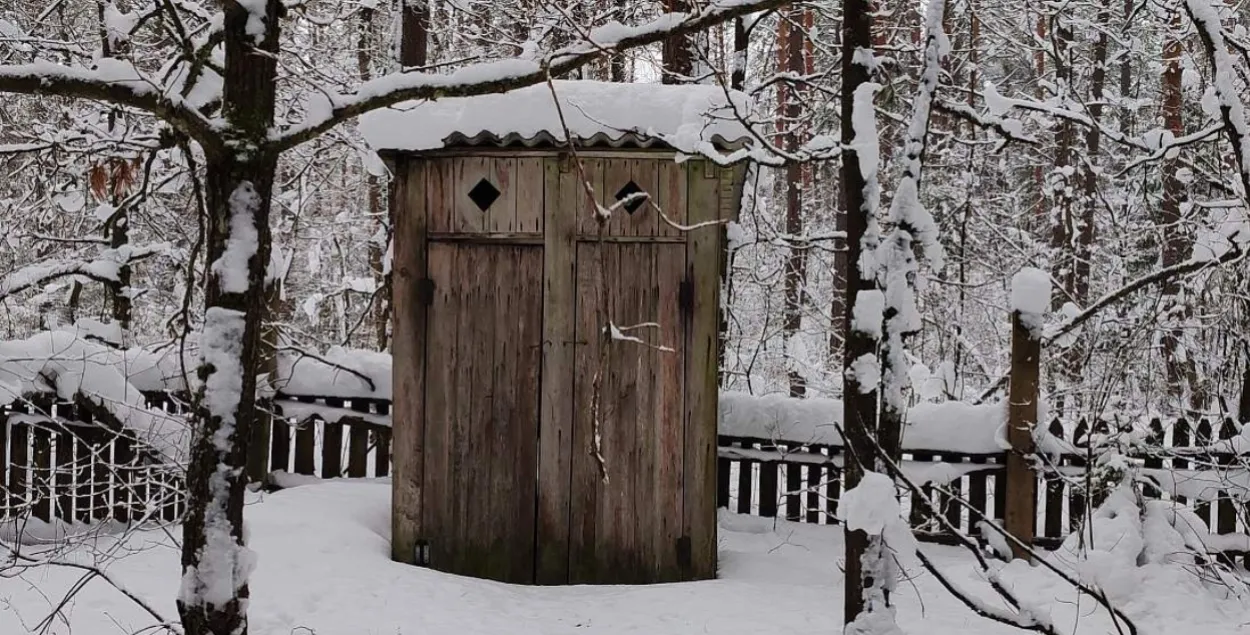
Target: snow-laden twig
[
  {"x": 103, "y": 268},
  {"x": 90, "y": 573},
  {"x": 1235, "y": 253},
  {"x": 503, "y": 75},
  {"x": 1206, "y": 18}
]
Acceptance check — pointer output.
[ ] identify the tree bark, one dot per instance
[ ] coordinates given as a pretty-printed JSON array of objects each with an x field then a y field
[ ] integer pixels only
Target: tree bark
[
  {"x": 117, "y": 168},
  {"x": 742, "y": 41},
  {"x": 414, "y": 32},
  {"x": 238, "y": 187},
  {"x": 1174, "y": 249},
  {"x": 380, "y": 307},
  {"x": 677, "y": 54},
  {"x": 859, "y": 403},
  {"x": 791, "y": 49}
]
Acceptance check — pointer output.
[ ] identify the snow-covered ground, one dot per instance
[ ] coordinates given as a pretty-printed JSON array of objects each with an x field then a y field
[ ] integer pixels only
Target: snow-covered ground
[{"x": 324, "y": 570}]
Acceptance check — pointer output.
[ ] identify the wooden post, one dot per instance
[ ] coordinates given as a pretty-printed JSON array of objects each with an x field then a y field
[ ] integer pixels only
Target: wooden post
[
  {"x": 411, "y": 293},
  {"x": 1021, "y": 508}
]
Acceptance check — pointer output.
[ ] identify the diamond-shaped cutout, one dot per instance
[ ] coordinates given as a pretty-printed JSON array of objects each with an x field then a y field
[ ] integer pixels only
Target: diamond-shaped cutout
[
  {"x": 484, "y": 194},
  {"x": 634, "y": 203}
]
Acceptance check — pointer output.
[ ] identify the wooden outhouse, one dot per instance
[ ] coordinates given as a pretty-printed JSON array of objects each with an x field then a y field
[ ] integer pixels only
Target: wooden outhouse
[{"x": 555, "y": 378}]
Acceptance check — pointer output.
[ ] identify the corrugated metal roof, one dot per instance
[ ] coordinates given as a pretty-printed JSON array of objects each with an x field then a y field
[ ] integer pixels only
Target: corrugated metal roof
[{"x": 544, "y": 139}]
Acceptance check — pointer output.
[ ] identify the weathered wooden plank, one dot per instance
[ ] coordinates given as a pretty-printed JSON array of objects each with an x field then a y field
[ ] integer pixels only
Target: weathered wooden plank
[
  {"x": 703, "y": 254},
  {"x": 1204, "y": 435},
  {"x": 722, "y": 482},
  {"x": 525, "y": 316},
  {"x": 19, "y": 464},
  {"x": 641, "y": 361},
  {"x": 746, "y": 482},
  {"x": 768, "y": 490},
  {"x": 41, "y": 481},
  {"x": 586, "y": 477},
  {"x": 5, "y": 466},
  {"x": 616, "y": 174},
  {"x": 671, "y": 199},
  {"x": 476, "y": 492},
  {"x": 918, "y": 516},
  {"x": 417, "y": 201},
  {"x": 306, "y": 448},
  {"x": 1020, "y": 514},
  {"x": 512, "y": 420},
  {"x": 172, "y": 506},
  {"x": 440, "y": 408},
  {"x": 331, "y": 450},
  {"x": 794, "y": 487},
  {"x": 358, "y": 443},
  {"x": 428, "y": 187},
  {"x": 1052, "y": 526},
  {"x": 556, "y": 420},
  {"x": 811, "y": 502},
  {"x": 101, "y": 440},
  {"x": 669, "y": 410},
  {"x": 280, "y": 447},
  {"x": 382, "y": 452},
  {"x": 615, "y": 531},
  {"x": 952, "y": 510},
  {"x": 63, "y": 460},
  {"x": 123, "y": 468},
  {"x": 501, "y": 216},
  {"x": 467, "y": 217},
  {"x": 532, "y": 179},
  {"x": 645, "y": 221},
  {"x": 1226, "y": 508},
  {"x": 585, "y": 210},
  {"x": 1180, "y": 438},
  {"x": 833, "y": 487}
]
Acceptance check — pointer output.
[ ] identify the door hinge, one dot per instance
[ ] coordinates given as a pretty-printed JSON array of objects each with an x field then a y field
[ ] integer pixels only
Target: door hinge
[
  {"x": 421, "y": 553},
  {"x": 425, "y": 291}
]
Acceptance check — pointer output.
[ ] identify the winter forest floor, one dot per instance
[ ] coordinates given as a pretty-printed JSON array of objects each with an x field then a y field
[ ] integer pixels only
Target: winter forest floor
[{"x": 324, "y": 569}]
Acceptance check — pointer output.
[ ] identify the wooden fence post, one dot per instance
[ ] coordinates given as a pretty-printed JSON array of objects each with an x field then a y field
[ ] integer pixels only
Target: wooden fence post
[{"x": 1021, "y": 496}]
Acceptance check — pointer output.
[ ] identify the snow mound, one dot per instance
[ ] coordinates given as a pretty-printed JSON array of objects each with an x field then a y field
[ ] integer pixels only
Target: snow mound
[
  {"x": 951, "y": 426},
  {"x": 691, "y": 119},
  {"x": 63, "y": 363},
  {"x": 340, "y": 372}
]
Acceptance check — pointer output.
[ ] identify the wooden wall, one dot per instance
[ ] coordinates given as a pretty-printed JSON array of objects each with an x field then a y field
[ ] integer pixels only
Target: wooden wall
[{"x": 506, "y": 372}]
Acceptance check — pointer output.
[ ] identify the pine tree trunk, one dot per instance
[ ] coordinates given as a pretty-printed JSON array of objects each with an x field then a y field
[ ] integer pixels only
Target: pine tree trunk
[
  {"x": 677, "y": 55},
  {"x": 790, "y": 48},
  {"x": 414, "y": 32},
  {"x": 1169, "y": 219}
]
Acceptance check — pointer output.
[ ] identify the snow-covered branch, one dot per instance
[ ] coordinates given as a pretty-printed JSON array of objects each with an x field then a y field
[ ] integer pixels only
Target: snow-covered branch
[
  {"x": 103, "y": 268},
  {"x": 112, "y": 80},
  {"x": 504, "y": 75},
  {"x": 1223, "y": 85}
]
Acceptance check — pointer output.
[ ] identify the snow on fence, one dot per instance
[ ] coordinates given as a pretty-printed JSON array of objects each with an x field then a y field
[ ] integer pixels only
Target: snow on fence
[
  {"x": 778, "y": 456},
  {"x": 67, "y": 463}
]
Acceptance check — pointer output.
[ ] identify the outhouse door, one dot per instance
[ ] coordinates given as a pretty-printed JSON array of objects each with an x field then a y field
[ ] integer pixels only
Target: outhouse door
[
  {"x": 483, "y": 349},
  {"x": 559, "y": 402}
]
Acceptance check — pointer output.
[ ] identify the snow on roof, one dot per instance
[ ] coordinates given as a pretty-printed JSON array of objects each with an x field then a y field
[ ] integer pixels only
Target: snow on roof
[{"x": 690, "y": 118}]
